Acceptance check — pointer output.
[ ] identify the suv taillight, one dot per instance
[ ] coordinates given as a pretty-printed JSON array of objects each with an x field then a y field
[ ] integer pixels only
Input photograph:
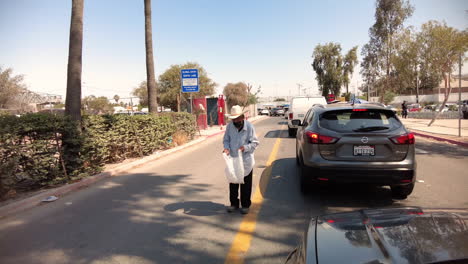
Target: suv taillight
[
  {"x": 290, "y": 116},
  {"x": 315, "y": 138},
  {"x": 406, "y": 139}
]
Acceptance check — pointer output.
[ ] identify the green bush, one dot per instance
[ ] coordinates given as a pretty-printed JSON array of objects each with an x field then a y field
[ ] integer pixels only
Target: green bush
[{"x": 43, "y": 149}]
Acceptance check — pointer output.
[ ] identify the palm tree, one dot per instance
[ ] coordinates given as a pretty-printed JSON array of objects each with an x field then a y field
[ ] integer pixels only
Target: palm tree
[
  {"x": 150, "y": 78},
  {"x": 73, "y": 97}
]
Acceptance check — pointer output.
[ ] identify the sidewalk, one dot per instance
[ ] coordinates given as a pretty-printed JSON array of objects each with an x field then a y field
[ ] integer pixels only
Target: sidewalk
[
  {"x": 441, "y": 129},
  {"x": 33, "y": 199}
]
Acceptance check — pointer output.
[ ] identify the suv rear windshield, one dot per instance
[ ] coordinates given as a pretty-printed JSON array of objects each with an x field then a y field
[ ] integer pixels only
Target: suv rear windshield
[{"x": 359, "y": 120}]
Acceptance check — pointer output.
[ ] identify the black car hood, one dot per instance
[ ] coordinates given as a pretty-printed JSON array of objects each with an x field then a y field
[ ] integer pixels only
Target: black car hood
[{"x": 392, "y": 235}]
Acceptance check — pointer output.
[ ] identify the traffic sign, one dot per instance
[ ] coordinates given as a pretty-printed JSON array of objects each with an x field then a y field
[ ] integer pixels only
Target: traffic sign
[{"x": 189, "y": 79}]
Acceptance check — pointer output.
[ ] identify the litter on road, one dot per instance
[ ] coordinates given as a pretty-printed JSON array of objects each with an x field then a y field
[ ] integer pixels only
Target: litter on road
[{"x": 50, "y": 199}]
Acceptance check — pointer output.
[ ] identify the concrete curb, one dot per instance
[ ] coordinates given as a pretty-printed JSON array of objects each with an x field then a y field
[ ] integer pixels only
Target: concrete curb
[
  {"x": 438, "y": 138},
  {"x": 30, "y": 202}
]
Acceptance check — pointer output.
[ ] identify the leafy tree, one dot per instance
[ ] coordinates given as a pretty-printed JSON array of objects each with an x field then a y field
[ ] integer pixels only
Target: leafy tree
[
  {"x": 73, "y": 96},
  {"x": 170, "y": 85},
  {"x": 10, "y": 87},
  {"x": 150, "y": 77},
  {"x": 280, "y": 100},
  {"x": 116, "y": 98},
  {"x": 97, "y": 105},
  {"x": 142, "y": 93},
  {"x": 442, "y": 47},
  {"x": 379, "y": 52},
  {"x": 236, "y": 94},
  {"x": 253, "y": 96},
  {"x": 327, "y": 65},
  {"x": 349, "y": 62},
  {"x": 388, "y": 97}
]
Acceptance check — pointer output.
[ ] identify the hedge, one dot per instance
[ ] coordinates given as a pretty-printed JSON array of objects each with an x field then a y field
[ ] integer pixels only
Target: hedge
[{"x": 36, "y": 152}]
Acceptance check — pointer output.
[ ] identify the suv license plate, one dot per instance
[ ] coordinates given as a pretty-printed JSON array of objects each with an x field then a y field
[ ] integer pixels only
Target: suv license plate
[{"x": 364, "y": 150}]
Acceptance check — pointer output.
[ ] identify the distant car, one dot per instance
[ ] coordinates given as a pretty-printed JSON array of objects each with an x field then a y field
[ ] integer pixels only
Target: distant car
[
  {"x": 277, "y": 112},
  {"x": 299, "y": 107},
  {"x": 385, "y": 235},
  {"x": 414, "y": 108},
  {"x": 265, "y": 112},
  {"x": 363, "y": 144}
]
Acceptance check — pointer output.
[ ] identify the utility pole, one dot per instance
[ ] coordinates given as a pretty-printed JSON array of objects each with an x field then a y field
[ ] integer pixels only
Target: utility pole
[
  {"x": 299, "y": 89},
  {"x": 417, "y": 85}
]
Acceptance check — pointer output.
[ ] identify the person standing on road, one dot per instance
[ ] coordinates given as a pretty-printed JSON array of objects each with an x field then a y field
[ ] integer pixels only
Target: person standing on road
[
  {"x": 240, "y": 135},
  {"x": 404, "y": 108}
]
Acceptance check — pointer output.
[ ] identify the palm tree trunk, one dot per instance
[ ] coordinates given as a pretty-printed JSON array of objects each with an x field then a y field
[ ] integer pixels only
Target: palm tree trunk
[
  {"x": 73, "y": 97},
  {"x": 150, "y": 78}
]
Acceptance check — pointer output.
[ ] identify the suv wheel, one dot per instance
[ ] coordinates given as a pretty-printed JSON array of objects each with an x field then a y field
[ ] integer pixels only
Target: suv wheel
[
  {"x": 402, "y": 192},
  {"x": 291, "y": 132}
]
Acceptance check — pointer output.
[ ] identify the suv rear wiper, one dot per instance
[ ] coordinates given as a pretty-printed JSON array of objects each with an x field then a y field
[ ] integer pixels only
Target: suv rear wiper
[{"x": 369, "y": 129}]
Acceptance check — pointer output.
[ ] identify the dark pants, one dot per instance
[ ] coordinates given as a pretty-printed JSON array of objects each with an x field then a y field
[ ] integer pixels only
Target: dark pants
[{"x": 245, "y": 192}]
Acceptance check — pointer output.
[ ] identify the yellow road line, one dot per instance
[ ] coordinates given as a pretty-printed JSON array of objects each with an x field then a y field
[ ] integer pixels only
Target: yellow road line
[{"x": 241, "y": 243}]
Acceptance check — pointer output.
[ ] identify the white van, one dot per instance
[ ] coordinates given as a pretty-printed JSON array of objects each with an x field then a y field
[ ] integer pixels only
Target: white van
[{"x": 299, "y": 107}]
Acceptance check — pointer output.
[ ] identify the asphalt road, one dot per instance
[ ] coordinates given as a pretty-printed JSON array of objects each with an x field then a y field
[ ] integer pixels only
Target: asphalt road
[{"x": 172, "y": 210}]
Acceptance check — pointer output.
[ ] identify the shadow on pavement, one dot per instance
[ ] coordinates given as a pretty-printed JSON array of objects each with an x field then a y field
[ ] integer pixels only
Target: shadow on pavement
[
  {"x": 126, "y": 219},
  {"x": 203, "y": 208},
  {"x": 276, "y": 134}
]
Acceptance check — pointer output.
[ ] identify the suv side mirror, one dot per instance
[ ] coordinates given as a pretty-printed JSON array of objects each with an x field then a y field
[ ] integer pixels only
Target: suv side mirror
[{"x": 296, "y": 122}]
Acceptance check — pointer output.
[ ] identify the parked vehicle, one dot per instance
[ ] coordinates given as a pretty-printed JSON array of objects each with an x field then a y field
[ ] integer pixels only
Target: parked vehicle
[
  {"x": 385, "y": 235},
  {"x": 298, "y": 108},
  {"x": 277, "y": 112},
  {"x": 265, "y": 112},
  {"x": 362, "y": 143},
  {"x": 414, "y": 108}
]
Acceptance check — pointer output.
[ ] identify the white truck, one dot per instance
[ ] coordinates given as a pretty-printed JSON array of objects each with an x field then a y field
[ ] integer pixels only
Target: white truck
[{"x": 299, "y": 107}]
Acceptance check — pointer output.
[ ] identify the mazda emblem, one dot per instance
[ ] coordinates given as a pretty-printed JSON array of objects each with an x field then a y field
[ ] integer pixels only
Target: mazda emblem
[{"x": 364, "y": 140}]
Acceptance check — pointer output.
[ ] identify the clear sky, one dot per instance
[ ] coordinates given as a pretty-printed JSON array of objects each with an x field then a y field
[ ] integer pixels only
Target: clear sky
[{"x": 262, "y": 42}]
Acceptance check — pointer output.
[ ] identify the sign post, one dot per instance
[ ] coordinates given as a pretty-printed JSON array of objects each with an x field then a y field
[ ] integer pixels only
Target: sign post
[{"x": 189, "y": 79}]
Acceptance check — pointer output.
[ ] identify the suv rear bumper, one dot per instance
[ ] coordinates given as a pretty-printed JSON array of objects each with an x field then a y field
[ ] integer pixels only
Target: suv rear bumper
[{"x": 353, "y": 175}]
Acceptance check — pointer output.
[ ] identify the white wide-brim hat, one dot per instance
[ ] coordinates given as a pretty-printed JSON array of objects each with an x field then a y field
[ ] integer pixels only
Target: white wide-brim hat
[{"x": 236, "y": 111}]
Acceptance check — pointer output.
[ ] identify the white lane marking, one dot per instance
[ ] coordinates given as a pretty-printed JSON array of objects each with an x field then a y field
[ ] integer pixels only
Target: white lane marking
[{"x": 420, "y": 151}]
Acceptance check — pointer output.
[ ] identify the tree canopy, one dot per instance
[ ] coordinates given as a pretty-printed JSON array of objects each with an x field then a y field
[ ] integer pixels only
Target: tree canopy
[
  {"x": 331, "y": 68},
  {"x": 141, "y": 91},
  {"x": 97, "y": 105},
  {"x": 327, "y": 64},
  {"x": 379, "y": 52},
  {"x": 10, "y": 87},
  {"x": 236, "y": 94},
  {"x": 349, "y": 62}
]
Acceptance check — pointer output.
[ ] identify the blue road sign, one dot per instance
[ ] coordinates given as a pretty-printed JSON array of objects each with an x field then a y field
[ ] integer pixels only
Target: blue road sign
[{"x": 189, "y": 79}]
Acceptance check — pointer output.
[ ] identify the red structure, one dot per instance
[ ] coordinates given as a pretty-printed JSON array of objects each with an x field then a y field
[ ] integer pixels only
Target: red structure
[
  {"x": 199, "y": 105},
  {"x": 221, "y": 110}
]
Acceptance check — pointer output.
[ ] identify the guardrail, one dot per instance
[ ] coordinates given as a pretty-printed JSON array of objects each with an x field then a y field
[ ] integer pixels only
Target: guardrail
[{"x": 430, "y": 115}]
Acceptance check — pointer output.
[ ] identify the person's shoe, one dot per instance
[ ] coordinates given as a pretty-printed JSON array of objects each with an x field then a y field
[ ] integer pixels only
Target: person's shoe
[
  {"x": 231, "y": 209},
  {"x": 244, "y": 210}
]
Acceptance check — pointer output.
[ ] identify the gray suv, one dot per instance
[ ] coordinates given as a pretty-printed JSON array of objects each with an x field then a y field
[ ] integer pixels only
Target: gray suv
[{"x": 362, "y": 143}]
